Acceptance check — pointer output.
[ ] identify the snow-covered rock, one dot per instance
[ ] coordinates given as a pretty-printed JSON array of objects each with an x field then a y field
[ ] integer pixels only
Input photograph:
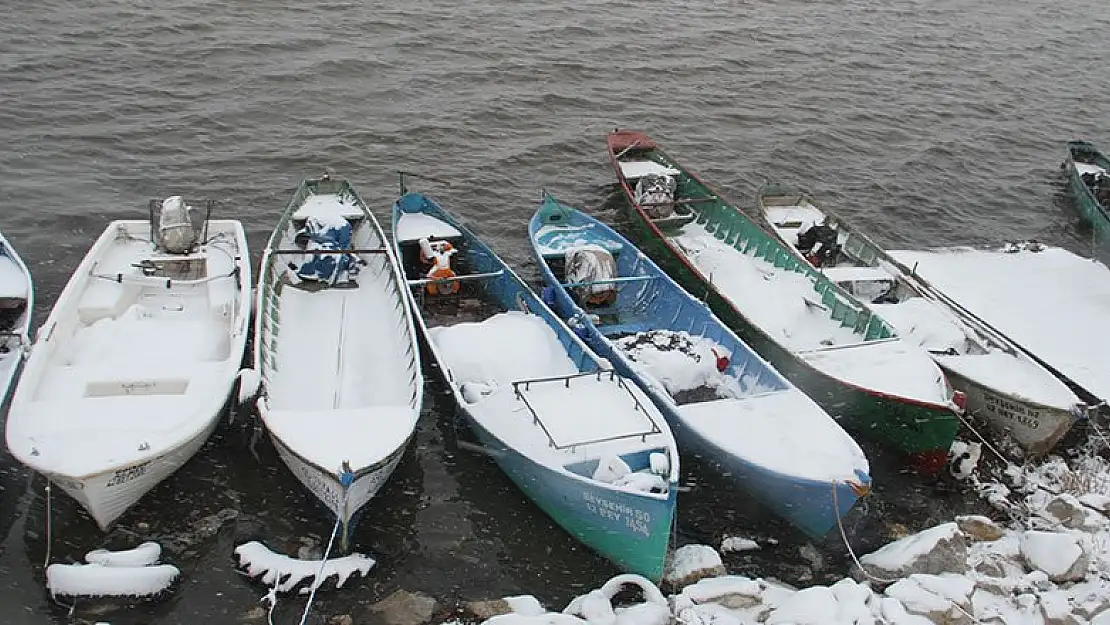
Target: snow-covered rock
[
  {"x": 944, "y": 598},
  {"x": 1061, "y": 556},
  {"x": 979, "y": 528},
  {"x": 691, "y": 563},
  {"x": 1068, "y": 510},
  {"x": 405, "y": 608},
  {"x": 940, "y": 549}
]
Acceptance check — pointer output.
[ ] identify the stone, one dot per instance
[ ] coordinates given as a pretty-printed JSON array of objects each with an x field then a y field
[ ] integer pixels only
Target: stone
[
  {"x": 1057, "y": 610},
  {"x": 940, "y": 549},
  {"x": 485, "y": 610},
  {"x": 1068, "y": 510},
  {"x": 943, "y": 599},
  {"x": 405, "y": 608},
  {"x": 341, "y": 619},
  {"x": 690, "y": 563},
  {"x": 1062, "y": 556},
  {"x": 979, "y": 528},
  {"x": 256, "y": 613}
]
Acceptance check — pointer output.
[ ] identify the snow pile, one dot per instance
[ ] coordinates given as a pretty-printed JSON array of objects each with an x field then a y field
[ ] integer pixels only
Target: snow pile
[
  {"x": 681, "y": 361},
  {"x": 286, "y": 574},
  {"x": 130, "y": 573},
  {"x": 738, "y": 543},
  {"x": 925, "y": 323}
]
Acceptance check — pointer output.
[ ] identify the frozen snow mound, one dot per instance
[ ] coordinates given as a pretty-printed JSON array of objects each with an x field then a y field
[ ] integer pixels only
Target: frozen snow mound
[{"x": 286, "y": 574}]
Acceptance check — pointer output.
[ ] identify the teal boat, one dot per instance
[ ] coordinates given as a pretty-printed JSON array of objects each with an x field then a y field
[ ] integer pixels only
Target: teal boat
[
  {"x": 583, "y": 443},
  {"x": 1088, "y": 172},
  {"x": 835, "y": 348}
]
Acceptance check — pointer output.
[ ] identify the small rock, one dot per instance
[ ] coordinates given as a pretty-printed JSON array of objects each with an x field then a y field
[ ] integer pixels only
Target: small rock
[
  {"x": 813, "y": 556},
  {"x": 738, "y": 543},
  {"x": 485, "y": 610},
  {"x": 405, "y": 608},
  {"x": 1056, "y": 609},
  {"x": 690, "y": 563},
  {"x": 256, "y": 613},
  {"x": 1068, "y": 510},
  {"x": 979, "y": 528},
  {"x": 341, "y": 619}
]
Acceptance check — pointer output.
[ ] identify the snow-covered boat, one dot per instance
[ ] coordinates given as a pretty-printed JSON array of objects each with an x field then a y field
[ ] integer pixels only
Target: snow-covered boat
[
  {"x": 1088, "y": 173},
  {"x": 336, "y": 349},
  {"x": 1005, "y": 387},
  {"x": 583, "y": 443},
  {"x": 129, "y": 374},
  {"x": 723, "y": 401},
  {"x": 836, "y": 349},
  {"x": 17, "y": 303}
]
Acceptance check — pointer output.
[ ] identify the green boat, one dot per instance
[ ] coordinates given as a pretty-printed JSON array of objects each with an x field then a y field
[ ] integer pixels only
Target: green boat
[
  {"x": 832, "y": 346},
  {"x": 1088, "y": 172}
]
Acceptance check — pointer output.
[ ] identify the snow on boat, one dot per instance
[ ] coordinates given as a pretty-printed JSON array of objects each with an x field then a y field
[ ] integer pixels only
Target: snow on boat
[
  {"x": 1058, "y": 314},
  {"x": 834, "y": 348},
  {"x": 586, "y": 445},
  {"x": 1088, "y": 172},
  {"x": 336, "y": 349},
  {"x": 723, "y": 401},
  {"x": 1004, "y": 387},
  {"x": 129, "y": 374},
  {"x": 17, "y": 303}
]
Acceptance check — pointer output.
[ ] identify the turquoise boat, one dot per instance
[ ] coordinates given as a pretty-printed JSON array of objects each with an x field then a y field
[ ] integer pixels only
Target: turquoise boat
[
  {"x": 1088, "y": 172},
  {"x": 723, "y": 401},
  {"x": 583, "y": 443}
]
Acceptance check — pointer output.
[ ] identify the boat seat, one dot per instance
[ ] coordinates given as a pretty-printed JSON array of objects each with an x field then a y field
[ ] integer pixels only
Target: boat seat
[{"x": 105, "y": 299}]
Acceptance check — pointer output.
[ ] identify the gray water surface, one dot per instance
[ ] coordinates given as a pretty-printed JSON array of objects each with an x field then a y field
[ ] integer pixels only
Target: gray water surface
[{"x": 926, "y": 122}]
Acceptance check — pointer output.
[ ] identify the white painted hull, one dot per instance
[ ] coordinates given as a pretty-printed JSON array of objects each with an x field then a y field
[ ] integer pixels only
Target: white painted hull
[
  {"x": 343, "y": 503},
  {"x": 1036, "y": 427},
  {"x": 17, "y": 345},
  {"x": 108, "y": 495}
]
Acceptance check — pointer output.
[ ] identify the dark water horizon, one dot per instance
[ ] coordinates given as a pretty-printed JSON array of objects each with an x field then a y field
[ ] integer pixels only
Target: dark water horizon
[{"x": 925, "y": 123}]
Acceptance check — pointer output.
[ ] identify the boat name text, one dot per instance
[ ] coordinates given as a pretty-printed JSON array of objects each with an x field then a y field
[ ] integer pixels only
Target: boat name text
[{"x": 636, "y": 520}]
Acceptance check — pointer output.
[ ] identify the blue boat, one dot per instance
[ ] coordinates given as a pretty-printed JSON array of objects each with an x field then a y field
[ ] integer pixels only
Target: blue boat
[
  {"x": 584, "y": 444},
  {"x": 723, "y": 401}
]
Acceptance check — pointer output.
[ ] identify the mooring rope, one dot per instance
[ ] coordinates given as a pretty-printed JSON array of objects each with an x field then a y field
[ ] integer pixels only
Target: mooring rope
[
  {"x": 46, "y": 561},
  {"x": 346, "y": 478}
]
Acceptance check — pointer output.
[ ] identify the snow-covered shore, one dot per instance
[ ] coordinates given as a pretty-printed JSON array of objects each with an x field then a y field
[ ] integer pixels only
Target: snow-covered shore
[{"x": 1044, "y": 560}]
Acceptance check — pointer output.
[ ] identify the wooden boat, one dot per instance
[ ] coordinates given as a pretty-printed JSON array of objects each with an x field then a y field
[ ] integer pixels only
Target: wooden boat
[
  {"x": 723, "y": 401},
  {"x": 336, "y": 349},
  {"x": 17, "y": 303},
  {"x": 833, "y": 347},
  {"x": 129, "y": 374},
  {"x": 1005, "y": 387},
  {"x": 1088, "y": 172},
  {"x": 584, "y": 444}
]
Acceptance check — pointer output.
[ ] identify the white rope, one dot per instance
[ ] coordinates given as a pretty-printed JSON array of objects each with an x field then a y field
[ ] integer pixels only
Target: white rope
[
  {"x": 844, "y": 537},
  {"x": 319, "y": 574},
  {"x": 46, "y": 561},
  {"x": 983, "y": 440},
  {"x": 1098, "y": 431}
]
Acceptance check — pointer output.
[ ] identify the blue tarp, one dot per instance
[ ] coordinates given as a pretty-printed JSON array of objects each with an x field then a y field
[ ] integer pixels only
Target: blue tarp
[{"x": 320, "y": 235}]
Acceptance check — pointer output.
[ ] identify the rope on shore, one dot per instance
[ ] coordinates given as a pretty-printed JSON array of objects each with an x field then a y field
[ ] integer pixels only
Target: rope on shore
[{"x": 46, "y": 560}]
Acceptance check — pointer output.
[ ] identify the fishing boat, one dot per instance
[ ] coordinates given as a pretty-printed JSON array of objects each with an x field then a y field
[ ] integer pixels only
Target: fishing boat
[
  {"x": 129, "y": 374},
  {"x": 836, "y": 349},
  {"x": 722, "y": 400},
  {"x": 17, "y": 303},
  {"x": 586, "y": 445},
  {"x": 1005, "y": 386},
  {"x": 335, "y": 349},
  {"x": 1088, "y": 172}
]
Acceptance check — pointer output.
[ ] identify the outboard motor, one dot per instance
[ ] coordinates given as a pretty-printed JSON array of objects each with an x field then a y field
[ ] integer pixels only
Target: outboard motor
[
  {"x": 655, "y": 194},
  {"x": 175, "y": 233}
]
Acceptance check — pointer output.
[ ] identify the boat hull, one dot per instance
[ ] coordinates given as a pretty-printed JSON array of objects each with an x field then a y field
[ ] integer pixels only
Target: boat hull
[
  {"x": 631, "y": 531},
  {"x": 108, "y": 495},
  {"x": 1085, "y": 201},
  {"x": 1036, "y": 427},
  {"x": 924, "y": 432},
  {"x": 344, "y": 503}
]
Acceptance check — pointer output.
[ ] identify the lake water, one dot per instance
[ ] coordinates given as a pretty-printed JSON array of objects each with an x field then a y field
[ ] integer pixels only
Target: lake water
[{"x": 926, "y": 122}]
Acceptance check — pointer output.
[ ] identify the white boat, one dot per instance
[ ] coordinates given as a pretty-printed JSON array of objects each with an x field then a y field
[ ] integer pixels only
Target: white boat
[
  {"x": 336, "y": 349},
  {"x": 17, "y": 303},
  {"x": 1005, "y": 386},
  {"x": 129, "y": 374}
]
